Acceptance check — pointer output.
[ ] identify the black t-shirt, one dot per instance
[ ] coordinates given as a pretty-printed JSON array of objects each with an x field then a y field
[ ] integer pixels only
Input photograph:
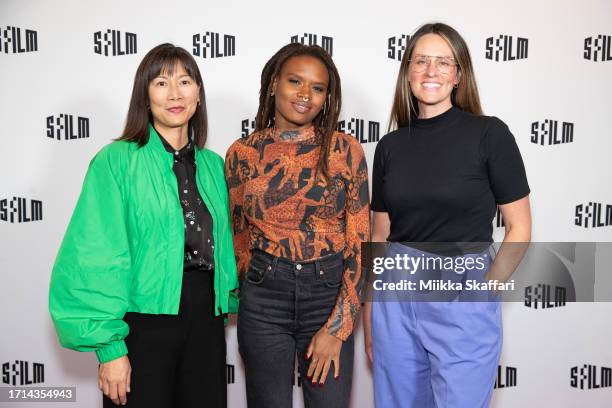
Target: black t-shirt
[{"x": 440, "y": 179}]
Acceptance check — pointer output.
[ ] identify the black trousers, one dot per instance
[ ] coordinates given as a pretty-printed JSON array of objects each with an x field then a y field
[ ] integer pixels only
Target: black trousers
[
  {"x": 179, "y": 360},
  {"x": 282, "y": 305}
]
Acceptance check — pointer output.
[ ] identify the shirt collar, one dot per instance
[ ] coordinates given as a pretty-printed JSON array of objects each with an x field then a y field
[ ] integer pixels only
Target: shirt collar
[{"x": 183, "y": 152}]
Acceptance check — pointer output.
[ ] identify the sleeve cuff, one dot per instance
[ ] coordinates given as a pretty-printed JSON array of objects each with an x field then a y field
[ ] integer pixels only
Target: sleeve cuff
[
  {"x": 339, "y": 334},
  {"x": 512, "y": 198},
  {"x": 378, "y": 207},
  {"x": 111, "y": 352},
  {"x": 233, "y": 302}
]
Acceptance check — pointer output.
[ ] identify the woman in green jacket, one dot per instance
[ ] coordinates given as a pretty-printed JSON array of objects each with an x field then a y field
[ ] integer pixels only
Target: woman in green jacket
[{"x": 146, "y": 270}]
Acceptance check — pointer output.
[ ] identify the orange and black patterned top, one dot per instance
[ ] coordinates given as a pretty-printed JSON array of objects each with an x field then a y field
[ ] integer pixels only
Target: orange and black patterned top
[{"x": 278, "y": 207}]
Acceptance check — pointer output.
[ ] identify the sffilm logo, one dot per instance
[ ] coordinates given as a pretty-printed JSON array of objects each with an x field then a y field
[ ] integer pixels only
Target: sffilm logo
[
  {"x": 327, "y": 43},
  {"x": 542, "y": 296},
  {"x": 19, "y": 373},
  {"x": 589, "y": 377},
  {"x": 356, "y": 127},
  {"x": 598, "y": 48},
  {"x": 113, "y": 43},
  {"x": 547, "y": 132},
  {"x": 247, "y": 127},
  {"x": 396, "y": 46},
  {"x": 593, "y": 215},
  {"x": 503, "y": 48},
  {"x": 12, "y": 40},
  {"x": 499, "y": 219},
  {"x": 505, "y": 377},
  {"x": 230, "y": 372},
  {"x": 63, "y": 127},
  {"x": 209, "y": 45},
  {"x": 18, "y": 210},
  {"x": 296, "y": 379}
]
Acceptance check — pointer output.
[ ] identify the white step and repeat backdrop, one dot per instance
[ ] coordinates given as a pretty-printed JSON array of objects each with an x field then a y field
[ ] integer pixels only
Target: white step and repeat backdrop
[{"x": 66, "y": 72}]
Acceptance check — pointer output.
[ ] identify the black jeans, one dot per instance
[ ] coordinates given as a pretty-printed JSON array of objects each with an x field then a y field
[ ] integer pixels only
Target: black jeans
[
  {"x": 179, "y": 360},
  {"x": 282, "y": 305}
]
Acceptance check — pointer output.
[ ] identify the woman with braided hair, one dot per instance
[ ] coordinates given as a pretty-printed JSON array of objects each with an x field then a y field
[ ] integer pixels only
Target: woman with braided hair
[{"x": 299, "y": 207}]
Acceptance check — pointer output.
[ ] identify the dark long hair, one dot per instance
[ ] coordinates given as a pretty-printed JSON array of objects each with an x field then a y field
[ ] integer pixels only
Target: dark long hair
[
  {"x": 465, "y": 96},
  {"x": 162, "y": 58},
  {"x": 326, "y": 120}
]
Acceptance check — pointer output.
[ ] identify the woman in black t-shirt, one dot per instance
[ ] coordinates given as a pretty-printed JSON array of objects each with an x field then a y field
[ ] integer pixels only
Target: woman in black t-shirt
[{"x": 439, "y": 178}]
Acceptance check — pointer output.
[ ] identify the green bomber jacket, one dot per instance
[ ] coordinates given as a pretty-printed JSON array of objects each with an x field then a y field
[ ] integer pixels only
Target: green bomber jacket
[{"x": 124, "y": 247}]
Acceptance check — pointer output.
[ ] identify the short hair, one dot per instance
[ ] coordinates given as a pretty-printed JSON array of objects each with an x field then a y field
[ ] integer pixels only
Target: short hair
[{"x": 162, "y": 59}]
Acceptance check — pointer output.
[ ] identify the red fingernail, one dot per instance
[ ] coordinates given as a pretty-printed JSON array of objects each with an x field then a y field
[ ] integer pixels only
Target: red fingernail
[
  {"x": 308, "y": 377},
  {"x": 306, "y": 358},
  {"x": 321, "y": 385},
  {"x": 335, "y": 378}
]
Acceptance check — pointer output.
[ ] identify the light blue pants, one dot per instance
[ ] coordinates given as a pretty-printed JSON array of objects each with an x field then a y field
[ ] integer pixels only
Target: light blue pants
[{"x": 441, "y": 354}]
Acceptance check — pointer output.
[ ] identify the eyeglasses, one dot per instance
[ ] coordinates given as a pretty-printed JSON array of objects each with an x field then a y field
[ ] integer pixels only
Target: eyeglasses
[{"x": 444, "y": 65}]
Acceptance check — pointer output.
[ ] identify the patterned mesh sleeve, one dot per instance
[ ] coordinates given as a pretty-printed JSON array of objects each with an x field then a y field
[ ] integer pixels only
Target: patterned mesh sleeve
[
  {"x": 235, "y": 178},
  {"x": 357, "y": 212}
]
